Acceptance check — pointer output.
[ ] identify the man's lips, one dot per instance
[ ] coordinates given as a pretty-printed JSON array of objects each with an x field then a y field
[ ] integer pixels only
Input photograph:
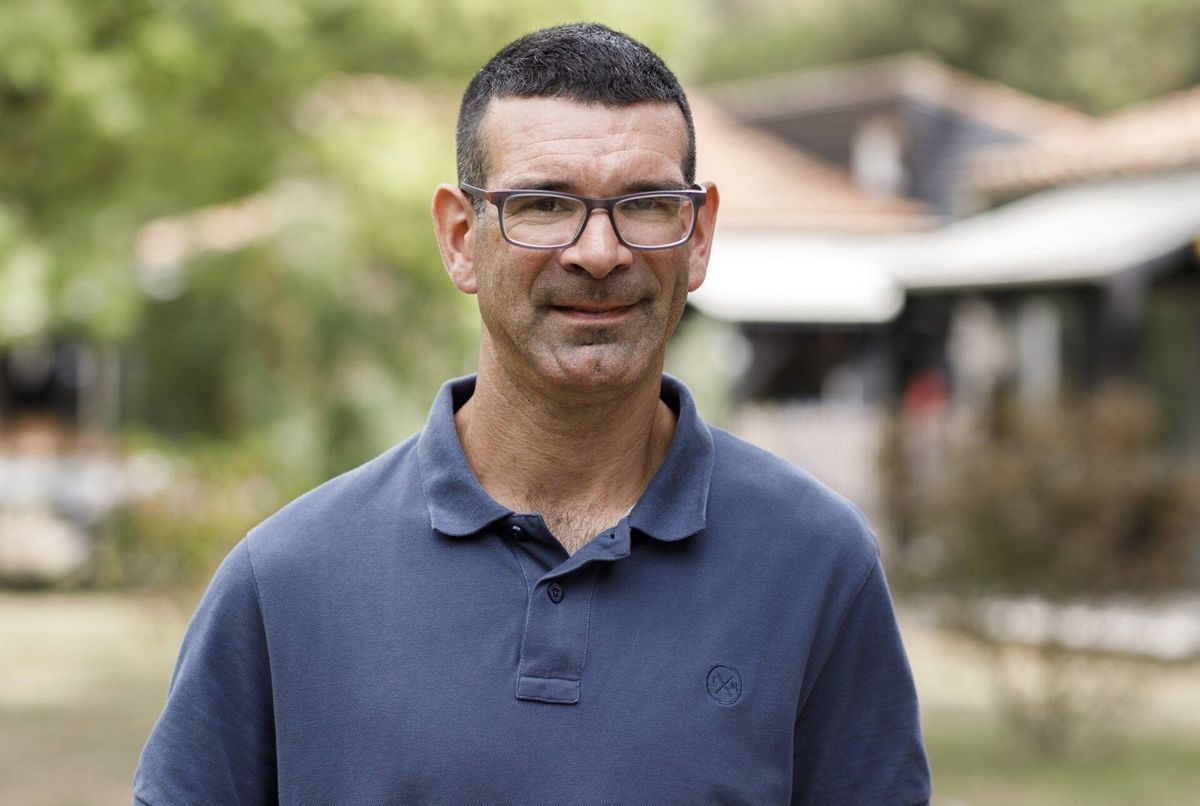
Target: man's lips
[{"x": 593, "y": 310}]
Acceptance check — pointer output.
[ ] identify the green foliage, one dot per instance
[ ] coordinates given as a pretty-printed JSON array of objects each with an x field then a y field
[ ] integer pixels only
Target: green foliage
[
  {"x": 201, "y": 500},
  {"x": 1096, "y": 54},
  {"x": 115, "y": 112},
  {"x": 328, "y": 335}
]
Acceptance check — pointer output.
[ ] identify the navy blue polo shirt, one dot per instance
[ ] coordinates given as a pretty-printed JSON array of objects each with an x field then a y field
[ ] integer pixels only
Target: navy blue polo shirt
[{"x": 397, "y": 636}]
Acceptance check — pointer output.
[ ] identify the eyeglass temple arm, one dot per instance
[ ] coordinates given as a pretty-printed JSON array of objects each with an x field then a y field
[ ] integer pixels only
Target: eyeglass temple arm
[{"x": 480, "y": 193}]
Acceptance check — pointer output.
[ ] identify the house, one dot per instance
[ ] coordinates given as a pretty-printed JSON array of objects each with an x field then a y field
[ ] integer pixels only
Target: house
[
  {"x": 903, "y": 125},
  {"x": 880, "y": 152},
  {"x": 823, "y": 291},
  {"x": 1063, "y": 256},
  {"x": 796, "y": 272},
  {"x": 1089, "y": 259}
]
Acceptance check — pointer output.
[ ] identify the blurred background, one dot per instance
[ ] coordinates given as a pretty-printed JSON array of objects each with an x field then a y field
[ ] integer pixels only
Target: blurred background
[{"x": 957, "y": 277}]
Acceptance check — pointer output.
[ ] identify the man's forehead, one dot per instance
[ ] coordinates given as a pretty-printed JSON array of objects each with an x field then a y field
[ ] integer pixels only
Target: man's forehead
[{"x": 523, "y": 134}]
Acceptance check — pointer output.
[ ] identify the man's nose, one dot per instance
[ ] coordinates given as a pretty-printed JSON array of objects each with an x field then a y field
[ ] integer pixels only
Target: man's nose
[{"x": 598, "y": 251}]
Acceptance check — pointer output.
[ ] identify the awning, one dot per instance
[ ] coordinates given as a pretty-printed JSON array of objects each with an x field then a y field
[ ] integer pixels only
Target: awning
[
  {"x": 1080, "y": 234},
  {"x": 797, "y": 277},
  {"x": 1084, "y": 233}
]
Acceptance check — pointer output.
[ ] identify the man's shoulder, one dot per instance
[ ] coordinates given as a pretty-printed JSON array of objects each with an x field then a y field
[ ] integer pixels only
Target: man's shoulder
[
  {"x": 768, "y": 494},
  {"x": 347, "y": 507}
]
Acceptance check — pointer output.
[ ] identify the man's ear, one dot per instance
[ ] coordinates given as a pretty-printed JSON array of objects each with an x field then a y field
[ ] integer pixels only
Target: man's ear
[
  {"x": 700, "y": 246},
  {"x": 454, "y": 224}
]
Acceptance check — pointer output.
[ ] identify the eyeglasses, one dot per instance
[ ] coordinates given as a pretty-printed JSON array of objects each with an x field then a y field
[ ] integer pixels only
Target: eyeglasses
[{"x": 543, "y": 219}]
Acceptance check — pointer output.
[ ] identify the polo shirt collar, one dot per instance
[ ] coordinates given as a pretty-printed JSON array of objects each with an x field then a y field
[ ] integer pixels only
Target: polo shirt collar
[
  {"x": 458, "y": 504},
  {"x": 671, "y": 508},
  {"x": 674, "y": 503}
]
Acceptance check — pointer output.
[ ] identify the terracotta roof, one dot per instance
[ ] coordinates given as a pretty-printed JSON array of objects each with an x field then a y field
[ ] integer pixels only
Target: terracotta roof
[
  {"x": 913, "y": 76},
  {"x": 1155, "y": 136},
  {"x": 769, "y": 184}
]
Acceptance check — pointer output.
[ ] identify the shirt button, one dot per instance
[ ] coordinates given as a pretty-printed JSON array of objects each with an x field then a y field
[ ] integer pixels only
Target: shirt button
[
  {"x": 516, "y": 532},
  {"x": 555, "y": 592}
]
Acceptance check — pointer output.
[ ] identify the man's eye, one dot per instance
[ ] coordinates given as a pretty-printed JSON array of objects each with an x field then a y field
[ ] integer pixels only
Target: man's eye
[
  {"x": 530, "y": 205},
  {"x": 652, "y": 204}
]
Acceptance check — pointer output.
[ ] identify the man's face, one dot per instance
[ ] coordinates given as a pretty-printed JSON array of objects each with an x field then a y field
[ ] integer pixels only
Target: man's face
[{"x": 595, "y": 313}]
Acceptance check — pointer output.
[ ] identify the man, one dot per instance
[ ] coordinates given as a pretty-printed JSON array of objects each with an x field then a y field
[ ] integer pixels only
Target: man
[{"x": 567, "y": 588}]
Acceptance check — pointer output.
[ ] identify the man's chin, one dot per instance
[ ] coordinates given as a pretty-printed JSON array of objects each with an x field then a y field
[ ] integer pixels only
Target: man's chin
[{"x": 598, "y": 366}]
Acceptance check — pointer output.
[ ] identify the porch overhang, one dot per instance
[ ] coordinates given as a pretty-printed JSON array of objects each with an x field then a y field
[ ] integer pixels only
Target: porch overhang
[
  {"x": 1084, "y": 234},
  {"x": 762, "y": 277}
]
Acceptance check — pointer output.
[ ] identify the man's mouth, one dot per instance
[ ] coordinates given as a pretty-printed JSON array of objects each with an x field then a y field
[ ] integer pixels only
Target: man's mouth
[{"x": 593, "y": 311}]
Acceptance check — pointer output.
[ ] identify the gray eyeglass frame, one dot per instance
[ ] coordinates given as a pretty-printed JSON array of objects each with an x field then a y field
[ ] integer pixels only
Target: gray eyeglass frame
[{"x": 695, "y": 194}]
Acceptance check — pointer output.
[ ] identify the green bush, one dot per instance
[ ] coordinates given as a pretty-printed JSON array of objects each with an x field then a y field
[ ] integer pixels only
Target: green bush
[
  {"x": 1077, "y": 501},
  {"x": 1075, "y": 504},
  {"x": 196, "y": 503}
]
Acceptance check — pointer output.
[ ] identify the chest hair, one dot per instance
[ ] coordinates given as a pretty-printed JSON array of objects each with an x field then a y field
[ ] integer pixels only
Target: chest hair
[{"x": 576, "y": 523}]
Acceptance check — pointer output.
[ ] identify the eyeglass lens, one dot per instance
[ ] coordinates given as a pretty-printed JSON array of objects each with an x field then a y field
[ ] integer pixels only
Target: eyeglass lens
[{"x": 540, "y": 220}]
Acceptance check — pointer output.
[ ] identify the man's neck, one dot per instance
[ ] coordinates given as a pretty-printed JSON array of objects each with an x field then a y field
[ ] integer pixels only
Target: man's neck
[{"x": 581, "y": 463}]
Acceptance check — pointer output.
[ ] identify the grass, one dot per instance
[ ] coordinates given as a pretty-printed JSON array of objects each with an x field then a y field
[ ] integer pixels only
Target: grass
[
  {"x": 1146, "y": 752},
  {"x": 976, "y": 763},
  {"x": 82, "y": 677}
]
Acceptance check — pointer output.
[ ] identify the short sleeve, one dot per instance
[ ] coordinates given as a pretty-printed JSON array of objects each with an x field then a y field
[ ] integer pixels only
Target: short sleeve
[
  {"x": 215, "y": 739},
  {"x": 858, "y": 735}
]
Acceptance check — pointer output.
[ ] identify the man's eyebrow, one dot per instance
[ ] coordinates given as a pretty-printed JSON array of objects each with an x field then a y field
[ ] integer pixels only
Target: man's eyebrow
[
  {"x": 555, "y": 185},
  {"x": 559, "y": 186},
  {"x": 647, "y": 185}
]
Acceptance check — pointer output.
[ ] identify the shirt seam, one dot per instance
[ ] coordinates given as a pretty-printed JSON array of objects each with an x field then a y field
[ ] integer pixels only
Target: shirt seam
[
  {"x": 587, "y": 629},
  {"x": 257, "y": 595},
  {"x": 520, "y": 567},
  {"x": 872, "y": 570},
  {"x": 421, "y": 475},
  {"x": 537, "y": 677},
  {"x": 530, "y": 592},
  {"x": 262, "y": 619}
]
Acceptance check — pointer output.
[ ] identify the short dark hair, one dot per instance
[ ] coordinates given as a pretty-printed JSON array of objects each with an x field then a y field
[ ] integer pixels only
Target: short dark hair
[{"x": 583, "y": 61}]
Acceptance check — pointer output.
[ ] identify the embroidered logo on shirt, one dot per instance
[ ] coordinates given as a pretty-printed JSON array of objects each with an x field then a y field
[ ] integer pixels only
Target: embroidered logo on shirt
[{"x": 724, "y": 684}]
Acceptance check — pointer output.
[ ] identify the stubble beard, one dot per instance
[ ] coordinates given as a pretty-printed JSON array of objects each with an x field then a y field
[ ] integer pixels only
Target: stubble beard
[{"x": 543, "y": 348}]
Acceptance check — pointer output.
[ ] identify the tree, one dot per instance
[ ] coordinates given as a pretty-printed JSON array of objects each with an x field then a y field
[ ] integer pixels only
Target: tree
[{"x": 1098, "y": 55}]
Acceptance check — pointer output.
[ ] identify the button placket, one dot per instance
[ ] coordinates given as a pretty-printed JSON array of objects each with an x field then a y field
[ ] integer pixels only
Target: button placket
[{"x": 554, "y": 645}]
